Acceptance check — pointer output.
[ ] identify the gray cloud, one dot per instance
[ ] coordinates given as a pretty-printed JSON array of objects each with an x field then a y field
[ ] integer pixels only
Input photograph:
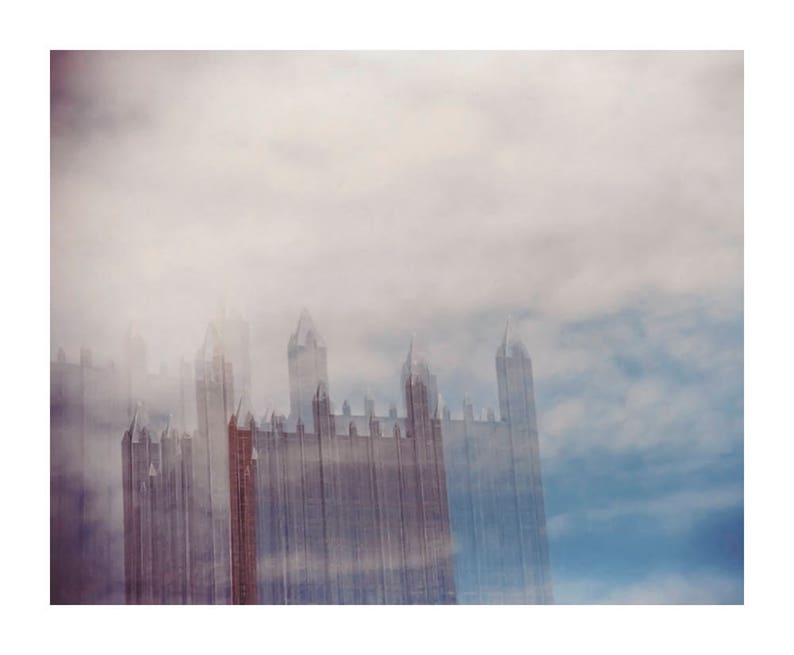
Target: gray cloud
[{"x": 389, "y": 192}]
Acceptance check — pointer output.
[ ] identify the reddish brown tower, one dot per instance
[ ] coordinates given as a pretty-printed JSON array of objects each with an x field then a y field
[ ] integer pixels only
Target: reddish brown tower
[{"x": 242, "y": 494}]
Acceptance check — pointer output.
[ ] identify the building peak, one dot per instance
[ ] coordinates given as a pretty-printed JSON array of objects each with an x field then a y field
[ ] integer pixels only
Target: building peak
[
  {"x": 511, "y": 344},
  {"x": 508, "y": 325},
  {"x": 213, "y": 344},
  {"x": 306, "y": 330},
  {"x": 415, "y": 360},
  {"x": 134, "y": 422},
  {"x": 322, "y": 391}
]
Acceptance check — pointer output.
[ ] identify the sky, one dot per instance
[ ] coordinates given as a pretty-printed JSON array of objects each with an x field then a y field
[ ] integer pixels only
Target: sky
[{"x": 596, "y": 197}]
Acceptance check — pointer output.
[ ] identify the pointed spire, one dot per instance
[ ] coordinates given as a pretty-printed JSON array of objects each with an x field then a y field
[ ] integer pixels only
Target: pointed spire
[
  {"x": 510, "y": 342},
  {"x": 152, "y": 470},
  {"x": 213, "y": 343},
  {"x": 134, "y": 422},
  {"x": 306, "y": 330},
  {"x": 508, "y": 326},
  {"x": 415, "y": 362},
  {"x": 439, "y": 405}
]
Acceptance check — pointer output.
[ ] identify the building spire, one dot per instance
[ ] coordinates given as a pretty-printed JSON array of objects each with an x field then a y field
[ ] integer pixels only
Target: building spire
[
  {"x": 511, "y": 344},
  {"x": 508, "y": 332},
  {"x": 213, "y": 343},
  {"x": 134, "y": 422},
  {"x": 306, "y": 330},
  {"x": 414, "y": 361}
]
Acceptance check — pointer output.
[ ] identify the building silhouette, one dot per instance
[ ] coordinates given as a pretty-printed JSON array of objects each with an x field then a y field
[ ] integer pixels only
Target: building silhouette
[
  {"x": 86, "y": 417},
  {"x": 308, "y": 368},
  {"x": 353, "y": 511},
  {"x": 211, "y": 537},
  {"x": 336, "y": 508},
  {"x": 242, "y": 496},
  {"x": 234, "y": 333},
  {"x": 496, "y": 491},
  {"x": 90, "y": 405},
  {"x": 156, "y": 484}
]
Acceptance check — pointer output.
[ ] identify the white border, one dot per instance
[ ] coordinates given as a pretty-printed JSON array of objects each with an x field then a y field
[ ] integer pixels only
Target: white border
[{"x": 760, "y": 28}]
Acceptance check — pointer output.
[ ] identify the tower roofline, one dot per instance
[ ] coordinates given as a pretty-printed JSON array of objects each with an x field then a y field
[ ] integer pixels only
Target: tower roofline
[
  {"x": 510, "y": 341},
  {"x": 212, "y": 343},
  {"x": 134, "y": 422},
  {"x": 415, "y": 361},
  {"x": 304, "y": 330}
]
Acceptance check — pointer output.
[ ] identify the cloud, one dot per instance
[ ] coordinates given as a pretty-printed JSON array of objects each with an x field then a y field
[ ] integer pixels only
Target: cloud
[
  {"x": 388, "y": 192},
  {"x": 702, "y": 588},
  {"x": 675, "y": 512}
]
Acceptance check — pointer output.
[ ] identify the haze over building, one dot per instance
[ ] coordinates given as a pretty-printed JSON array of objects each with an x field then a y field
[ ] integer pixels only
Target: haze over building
[
  {"x": 503, "y": 182},
  {"x": 156, "y": 474},
  {"x": 308, "y": 368},
  {"x": 353, "y": 511},
  {"x": 340, "y": 508},
  {"x": 496, "y": 491}
]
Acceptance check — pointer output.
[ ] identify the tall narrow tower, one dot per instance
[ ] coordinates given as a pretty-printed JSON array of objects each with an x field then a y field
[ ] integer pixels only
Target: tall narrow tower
[
  {"x": 234, "y": 332},
  {"x": 214, "y": 393},
  {"x": 433, "y": 543},
  {"x": 517, "y": 409},
  {"x": 428, "y": 379},
  {"x": 242, "y": 474},
  {"x": 308, "y": 369}
]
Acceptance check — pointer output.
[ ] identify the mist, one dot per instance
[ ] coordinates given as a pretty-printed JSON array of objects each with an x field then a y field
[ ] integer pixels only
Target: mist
[{"x": 596, "y": 197}]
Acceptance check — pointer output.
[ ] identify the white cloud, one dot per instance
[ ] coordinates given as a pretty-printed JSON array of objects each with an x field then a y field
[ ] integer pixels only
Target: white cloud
[
  {"x": 672, "y": 513},
  {"x": 699, "y": 588},
  {"x": 390, "y": 192}
]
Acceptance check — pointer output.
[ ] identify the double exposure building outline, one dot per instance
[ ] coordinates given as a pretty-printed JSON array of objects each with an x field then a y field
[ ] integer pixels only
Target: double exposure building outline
[{"x": 320, "y": 508}]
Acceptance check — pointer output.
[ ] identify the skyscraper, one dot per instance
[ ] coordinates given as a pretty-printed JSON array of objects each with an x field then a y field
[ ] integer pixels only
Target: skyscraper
[
  {"x": 242, "y": 477},
  {"x": 308, "y": 368},
  {"x": 87, "y": 413},
  {"x": 517, "y": 410},
  {"x": 430, "y": 381},
  {"x": 234, "y": 333},
  {"x": 362, "y": 509},
  {"x": 211, "y": 543},
  {"x": 156, "y": 489},
  {"x": 496, "y": 493},
  {"x": 352, "y": 511}
]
